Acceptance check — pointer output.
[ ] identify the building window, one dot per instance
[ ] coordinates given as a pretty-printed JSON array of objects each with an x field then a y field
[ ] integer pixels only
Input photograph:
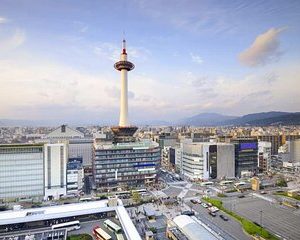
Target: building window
[{"x": 49, "y": 166}]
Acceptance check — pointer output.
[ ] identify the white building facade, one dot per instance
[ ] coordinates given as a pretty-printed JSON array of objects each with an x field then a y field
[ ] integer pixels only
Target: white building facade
[
  {"x": 295, "y": 151},
  {"x": 55, "y": 179},
  {"x": 75, "y": 176},
  {"x": 178, "y": 158},
  {"x": 21, "y": 171},
  {"x": 204, "y": 160},
  {"x": 264, "y": 156}
]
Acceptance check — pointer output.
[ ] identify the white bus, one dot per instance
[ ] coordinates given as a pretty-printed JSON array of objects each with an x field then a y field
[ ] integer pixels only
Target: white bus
[
  {"x": 100, "y": 234},
  {"x": 239, "y": 184},
  {"x": 207, "y": 184},
  {"x": 226, "y": 182},
  {"x": 120, "y": 236},
  {"x": 74, "y": 225},
  {"x": 87, "y": 199},
  {"x": 112, "y": 226},
  {"x": 140, "y": 190}
]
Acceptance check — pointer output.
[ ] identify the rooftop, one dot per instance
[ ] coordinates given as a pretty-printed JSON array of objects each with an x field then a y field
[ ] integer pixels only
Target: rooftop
[
  {"x": 143, "y": 144},
  {"x": 192, "y": 229},
  {"x": 76, "y": 209}
]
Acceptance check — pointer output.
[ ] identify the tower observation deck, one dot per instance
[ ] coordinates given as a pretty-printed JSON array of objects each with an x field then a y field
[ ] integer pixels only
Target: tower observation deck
[{"x": 124, "y": 132}]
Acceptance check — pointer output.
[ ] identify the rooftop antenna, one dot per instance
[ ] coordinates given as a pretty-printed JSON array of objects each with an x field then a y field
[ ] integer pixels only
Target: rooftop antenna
[{"x": 124, "y": 43}]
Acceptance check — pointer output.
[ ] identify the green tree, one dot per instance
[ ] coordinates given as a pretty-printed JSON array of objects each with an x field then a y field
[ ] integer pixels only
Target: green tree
[
  {"x": 281, "y": 182},
  {"x": 80, "y": 237},
  {"x": 136, "y": 197}
]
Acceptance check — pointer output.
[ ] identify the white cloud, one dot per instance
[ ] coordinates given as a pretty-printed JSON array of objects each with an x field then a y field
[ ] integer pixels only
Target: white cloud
[
  {"x": 112, "y": 52},
  {"x": 3, "y": 20},
  {"x": 40, "y": 90},
  {"x": 197, "y": 16},
  {"x": 81, "y": 26},
  {"x": 14, "y": 41},
  {"x": 263, "y": 50},
  {"x": 108, "y": 51},
  {"x": 196, "y": 58}
]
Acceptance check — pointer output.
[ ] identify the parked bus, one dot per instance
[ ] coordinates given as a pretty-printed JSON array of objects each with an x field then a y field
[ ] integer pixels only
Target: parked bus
[
  {"x": 239, "y": 184},
  {"x": 100, "y": 234},
  {"x": 87, "y": 199},
  {"x": 226, "y": 182},
  {"x": 120, "y": 236},
  {"x": 112, "y": 226},
  {"x": 140, "y": 190},
  {"x": 207, "y": 184},
  {"x": 124, "y": 194},
  {"x": 74, "y": 225}
]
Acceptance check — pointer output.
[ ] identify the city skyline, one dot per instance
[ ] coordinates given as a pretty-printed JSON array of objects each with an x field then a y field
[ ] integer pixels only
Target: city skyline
[{"x": 56, "y": 60}]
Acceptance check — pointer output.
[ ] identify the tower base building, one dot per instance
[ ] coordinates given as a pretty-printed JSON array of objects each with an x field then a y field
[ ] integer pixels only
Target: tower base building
[{"x": 125, "y": 164}]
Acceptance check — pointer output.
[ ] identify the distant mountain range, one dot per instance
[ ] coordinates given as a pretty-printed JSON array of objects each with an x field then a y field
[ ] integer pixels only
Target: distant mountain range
[
  {"x": 264, "y": 118},
  {"x": 203, "y": 119},
  {"x": 207, "y": 119}
]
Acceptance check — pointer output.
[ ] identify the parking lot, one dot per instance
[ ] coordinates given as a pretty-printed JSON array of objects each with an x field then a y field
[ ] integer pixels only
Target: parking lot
[
  {"x": 87, "y": 227},
  {"x": 41, "y": 235},
  {"x": 230, "y": 229},
  {"x": 280, "y": 220}
]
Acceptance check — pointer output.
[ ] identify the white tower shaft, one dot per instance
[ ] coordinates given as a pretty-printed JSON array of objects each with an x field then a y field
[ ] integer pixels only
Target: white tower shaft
[
  {"x": 124, "y": 100},
  {"x": 124, "y": 66}
]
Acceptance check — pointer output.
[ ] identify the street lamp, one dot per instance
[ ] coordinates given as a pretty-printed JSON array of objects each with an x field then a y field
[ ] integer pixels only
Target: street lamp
[{"x": 261, "y": 215}]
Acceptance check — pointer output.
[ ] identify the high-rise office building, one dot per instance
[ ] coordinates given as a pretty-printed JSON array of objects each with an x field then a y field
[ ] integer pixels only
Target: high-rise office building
[
  {"x": 134, "y": 163},
  {"x": 75, "y": 176},
  {"x": 21, "y": 171},
  {"x": 178, "y": 158},
  {"x": 172, "y": 156},
  {"x": 81, "y": 148},
  {"x": 204, "y": 160},
  {"x": 275, "y": 140},
  {"x": 264, "y": 156},
  {"x": 55, "y": 167},
  {"x": 246, "y": 156},
  {"x": 295, "y": 151}
]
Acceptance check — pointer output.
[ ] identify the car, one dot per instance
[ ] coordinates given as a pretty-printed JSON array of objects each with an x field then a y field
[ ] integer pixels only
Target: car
[
  {"x": 188, "y": 213},
  {"x": 223, "y": 217},
  {"x": 241, "y": 196},
  {"x": 263, "y": 192},
  {"x": 198, "y": 201},
  {"x": 193, "y": 201},
  {"x": 212, "y": 214},
  {"x": 213, "y": 209},
  {"x": 209, "y": 204},
  {"x": 204, "y": 205}
]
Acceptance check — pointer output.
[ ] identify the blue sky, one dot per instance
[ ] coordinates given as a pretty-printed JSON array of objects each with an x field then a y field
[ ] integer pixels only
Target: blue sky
[{"x": 230, "y": 57}]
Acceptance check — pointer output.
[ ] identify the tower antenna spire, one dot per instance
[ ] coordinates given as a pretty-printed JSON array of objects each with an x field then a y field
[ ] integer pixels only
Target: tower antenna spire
[{"x": 124, "y": 44}]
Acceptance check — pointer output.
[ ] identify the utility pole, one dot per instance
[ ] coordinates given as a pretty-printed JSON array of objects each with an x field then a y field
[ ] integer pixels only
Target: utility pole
[{"x": 261, "y": 215}]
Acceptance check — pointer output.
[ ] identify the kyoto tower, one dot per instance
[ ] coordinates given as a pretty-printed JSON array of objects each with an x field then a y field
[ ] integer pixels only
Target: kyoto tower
[{"x": 124, "y": 132}]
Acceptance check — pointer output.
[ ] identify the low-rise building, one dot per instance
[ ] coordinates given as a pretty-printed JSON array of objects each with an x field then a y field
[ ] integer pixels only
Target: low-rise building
[{"x": 75, "y": 176}]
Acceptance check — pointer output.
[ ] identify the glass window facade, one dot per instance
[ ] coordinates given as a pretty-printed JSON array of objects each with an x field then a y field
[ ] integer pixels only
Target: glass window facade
[
  {"x": 127, "y": 164},
  {"x": 246, "y": 155},
  {"x": 21, "y": 171}
]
